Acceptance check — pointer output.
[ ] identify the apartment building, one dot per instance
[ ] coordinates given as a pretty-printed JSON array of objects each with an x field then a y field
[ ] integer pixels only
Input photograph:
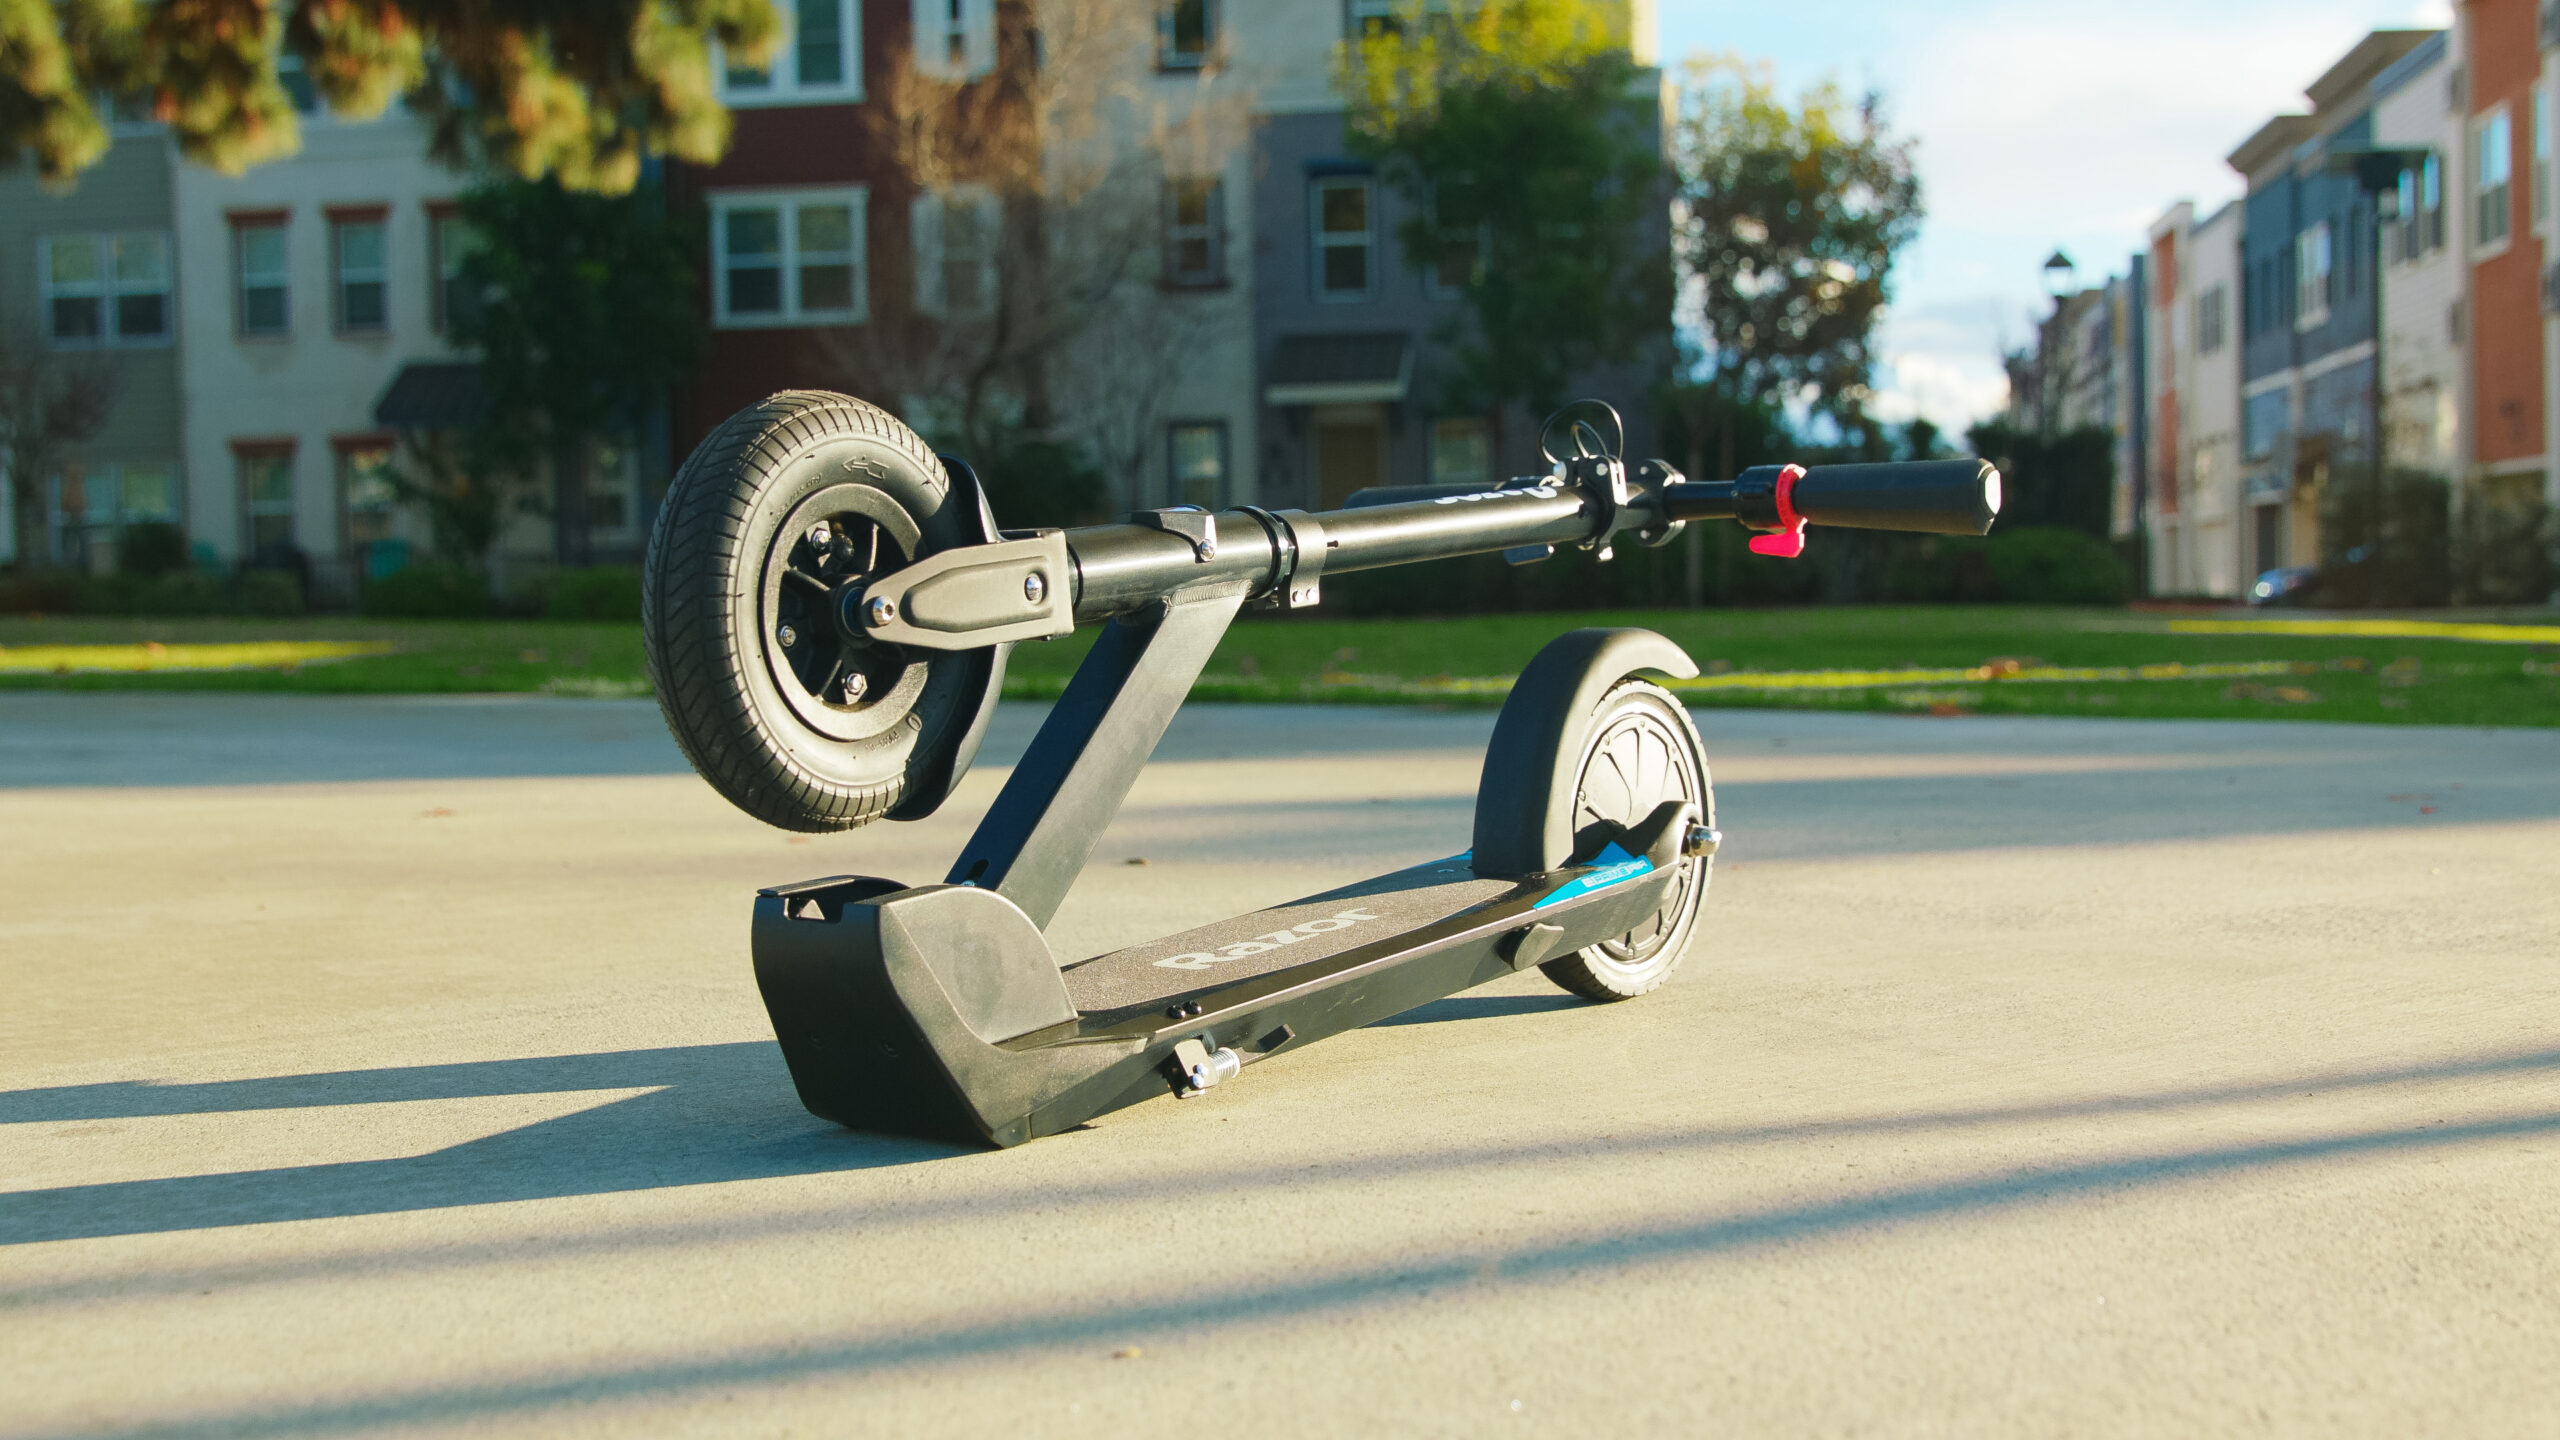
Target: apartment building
[
  {"x": 89, "y": 280},
  {"x": 834, "y": 263},
  {"x": 2193, "y": 500},
  {"x": 2418, "y": 115},
  {"x": 1350, "y": 335},
  {"x": 2508, "y": 204}
]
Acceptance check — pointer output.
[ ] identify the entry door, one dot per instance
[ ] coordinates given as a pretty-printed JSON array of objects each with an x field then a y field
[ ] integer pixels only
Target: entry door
[{"x": 1349, "y": 456}]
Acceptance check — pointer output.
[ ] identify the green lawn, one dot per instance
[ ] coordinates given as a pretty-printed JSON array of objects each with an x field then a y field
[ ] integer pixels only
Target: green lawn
[{"x": 2418, "y": 680}]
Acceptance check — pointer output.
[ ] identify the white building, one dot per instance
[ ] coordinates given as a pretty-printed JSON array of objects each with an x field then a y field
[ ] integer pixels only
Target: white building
[
  {"x": 2425, "y": 272},
  {"x": 2194, "y": 502}
]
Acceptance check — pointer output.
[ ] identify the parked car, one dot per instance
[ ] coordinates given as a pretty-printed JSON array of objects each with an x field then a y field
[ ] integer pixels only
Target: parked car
[{"x": 2290, "y": 585}]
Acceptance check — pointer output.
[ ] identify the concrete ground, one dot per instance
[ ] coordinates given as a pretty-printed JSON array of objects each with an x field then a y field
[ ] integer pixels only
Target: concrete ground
[{"x": 394, "y": 1067}]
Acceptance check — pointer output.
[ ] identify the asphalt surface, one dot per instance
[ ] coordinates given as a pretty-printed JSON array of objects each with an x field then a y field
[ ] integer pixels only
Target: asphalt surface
[{"x": 394, "y": 1067}]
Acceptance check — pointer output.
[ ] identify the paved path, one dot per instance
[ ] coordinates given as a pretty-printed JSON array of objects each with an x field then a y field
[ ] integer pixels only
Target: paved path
[{"x": 392, "y": 1066}]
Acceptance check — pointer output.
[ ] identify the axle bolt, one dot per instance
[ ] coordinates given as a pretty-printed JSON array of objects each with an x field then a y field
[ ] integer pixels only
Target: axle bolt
[
  {"x": 879, "y": 611},
  {"x": 854, "y": 685},
  {"x": 1699, "y": 840},
  {"x": 1035, "y": 587},
  {"x": 788, "y": 636}
]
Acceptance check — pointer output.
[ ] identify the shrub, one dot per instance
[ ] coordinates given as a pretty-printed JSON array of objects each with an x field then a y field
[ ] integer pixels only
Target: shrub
[
  {"x": 153, "y": 547},
  {"x": 601, "y": 592},
  {"x": 426, "y": 592},
  {"x": 2048, "y": 565}
]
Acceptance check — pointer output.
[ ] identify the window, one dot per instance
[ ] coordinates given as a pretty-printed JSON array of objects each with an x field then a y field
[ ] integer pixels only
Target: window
[
  {"x": 452, "y": 242},
  {"x": 1186, "y": 34},
  {"x": 1365, "y": 18},
  {"x": 2210, "y": 321},
  {"x": 2263, "y": 420},
  {"x": 364, "y": 483},
  {"x": 955, "y": 237},
  {"x": 355, "y": 255},
  {"x": 1345, "y": 236},
  {"x": 295, "y": 77},
  {"x": 789, "y": 258},
  {"x": 820, "y": 58},
  {"x": 266, "y": 497},
  {"x": 98, "y": 502},
  {"x": 1461, "y": 451},
  {"x": 2493, "y": 160},
  {"x": 1197, "y": 460},
  {"x": 105, "y": 289},
  {"x": 955, "y": 39},
  {"x": 1460, "y": 262},
  {"x": 2537, "y": 185},
  {"x": 1195, "y": 222},
  {"x": 2314, "y": 281},
  {"x": 259, "y": 245}
]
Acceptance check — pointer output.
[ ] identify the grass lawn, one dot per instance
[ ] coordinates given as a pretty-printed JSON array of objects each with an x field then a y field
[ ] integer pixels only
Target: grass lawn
[{"x": 1963, "y": 660}]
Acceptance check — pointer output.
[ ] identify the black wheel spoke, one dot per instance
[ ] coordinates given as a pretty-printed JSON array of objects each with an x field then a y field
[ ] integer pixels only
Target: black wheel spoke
[{"x": 793, "y": 575}]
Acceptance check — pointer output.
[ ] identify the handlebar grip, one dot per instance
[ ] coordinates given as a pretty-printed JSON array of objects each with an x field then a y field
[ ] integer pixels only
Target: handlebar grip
[{"x": 1939, "y": 497}]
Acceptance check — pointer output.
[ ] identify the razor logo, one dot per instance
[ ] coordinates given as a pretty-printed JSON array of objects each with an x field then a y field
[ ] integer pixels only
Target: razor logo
[
  {"x": 1265, "y": 944},
  {"x": 1544, "y": 490}
]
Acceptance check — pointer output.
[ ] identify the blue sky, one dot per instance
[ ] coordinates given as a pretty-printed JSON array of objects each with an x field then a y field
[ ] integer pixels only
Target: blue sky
[{"x": 2040, "y": 123}]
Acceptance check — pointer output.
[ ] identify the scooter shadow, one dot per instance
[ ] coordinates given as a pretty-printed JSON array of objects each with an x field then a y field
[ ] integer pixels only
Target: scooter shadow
[{"x": 706, "y": 1114}]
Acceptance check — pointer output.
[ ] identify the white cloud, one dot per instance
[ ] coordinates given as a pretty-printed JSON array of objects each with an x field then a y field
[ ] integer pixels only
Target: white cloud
[{"x": 2043, "y": 125}]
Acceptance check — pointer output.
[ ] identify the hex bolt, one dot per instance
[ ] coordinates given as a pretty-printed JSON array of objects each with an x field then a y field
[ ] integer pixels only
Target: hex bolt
[
  {"x": 788, "y": 636},
  {"x": 879, "y": 611},
  {"x": 820, "y": 536},
  {"x": 1035, "y": 587},
  {"x": 1207, "y": 551},
  {"x": 854, "y": 685},
  {"x": 1699, "y": 840}
]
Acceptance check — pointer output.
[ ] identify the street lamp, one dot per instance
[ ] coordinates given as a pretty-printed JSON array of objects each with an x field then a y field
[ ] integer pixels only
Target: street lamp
[{"x": 2059, "y": 275}]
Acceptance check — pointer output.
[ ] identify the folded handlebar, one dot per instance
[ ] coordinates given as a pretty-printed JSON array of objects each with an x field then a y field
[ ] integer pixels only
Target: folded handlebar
[{"x": 1029, "y": 586}]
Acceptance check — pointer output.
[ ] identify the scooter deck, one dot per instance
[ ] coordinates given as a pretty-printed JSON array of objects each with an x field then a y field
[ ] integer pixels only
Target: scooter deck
[{"x": 1115, "y": 986}]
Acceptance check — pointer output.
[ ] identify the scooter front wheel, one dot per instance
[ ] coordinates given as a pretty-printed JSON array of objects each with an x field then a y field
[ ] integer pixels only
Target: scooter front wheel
[
  {"x": 776, "y": 518},
  {"x": 1642, "y": 751}
]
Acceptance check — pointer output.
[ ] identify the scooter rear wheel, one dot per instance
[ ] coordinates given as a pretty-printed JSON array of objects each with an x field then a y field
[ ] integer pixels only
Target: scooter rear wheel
[
  {"x": 1642, "y": 751},
  {"x": 793, "y": 715}
]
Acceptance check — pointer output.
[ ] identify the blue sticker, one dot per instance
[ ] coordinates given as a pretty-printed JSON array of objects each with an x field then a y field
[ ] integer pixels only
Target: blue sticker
[{"x": 1615, "y": 865}]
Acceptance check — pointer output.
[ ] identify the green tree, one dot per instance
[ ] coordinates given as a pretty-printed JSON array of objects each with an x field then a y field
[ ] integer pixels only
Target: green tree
[
  {"x": 1789, "y": 219},
  {"x": 588, "y": 310},
  {"x": 2065, "y": 480},
  {"x": 1516, "y": 132},
  {"x": 576, "y": 89}
]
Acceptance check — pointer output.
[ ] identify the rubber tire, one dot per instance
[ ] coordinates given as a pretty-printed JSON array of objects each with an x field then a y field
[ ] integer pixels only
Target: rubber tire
[
  {"x": 1595, "y": 973},
  {"x": 702, "y": 590}
]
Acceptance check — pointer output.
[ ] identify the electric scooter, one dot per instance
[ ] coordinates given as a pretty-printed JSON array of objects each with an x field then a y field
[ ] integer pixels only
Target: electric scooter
[{"x": 828, "y": 607}]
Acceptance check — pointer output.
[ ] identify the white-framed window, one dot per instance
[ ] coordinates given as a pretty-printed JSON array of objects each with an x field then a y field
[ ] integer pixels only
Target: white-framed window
[
  {"x": 359, "y": 280},
  {"x": 2212, "y": 309},
  {"x": 259, "y": 253},
  {"x": 2314, "y": 277},
  {"x": 789, "y": 257},
  {"x": 104, "y": 289},
  {"x": 2492, "y": 170},
  {"x": 1186, "y": 34},
  {"x": 2537, "y": 183},
  {"x": 1195, "y": 231},
  {"x": 820, "y": 58},
  {"x": 1461, "y": 451},
  {"x": 1196, "y": 462},
  {"x": 266, "y": 497},
  {"x": 1344, "y": 215},
  {"x": 955, "y": 39},
  {"x": 956, "y": 235},
  {"x": 451, "y": 242}
]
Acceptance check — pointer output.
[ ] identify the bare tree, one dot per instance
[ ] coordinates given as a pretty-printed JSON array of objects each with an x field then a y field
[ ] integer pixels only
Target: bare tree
[
  {"x": 1049, "y": 311},
  {"x": 49, "y": 402}
]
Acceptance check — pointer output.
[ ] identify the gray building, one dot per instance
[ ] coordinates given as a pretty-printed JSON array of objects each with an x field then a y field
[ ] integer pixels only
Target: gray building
[
  {"x": 89, "y": 282},
  {"x": 1352, "y": 339}
]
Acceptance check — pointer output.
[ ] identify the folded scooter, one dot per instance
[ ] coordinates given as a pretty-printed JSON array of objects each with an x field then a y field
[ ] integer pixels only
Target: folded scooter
[{"x": 828, "y": 607}]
